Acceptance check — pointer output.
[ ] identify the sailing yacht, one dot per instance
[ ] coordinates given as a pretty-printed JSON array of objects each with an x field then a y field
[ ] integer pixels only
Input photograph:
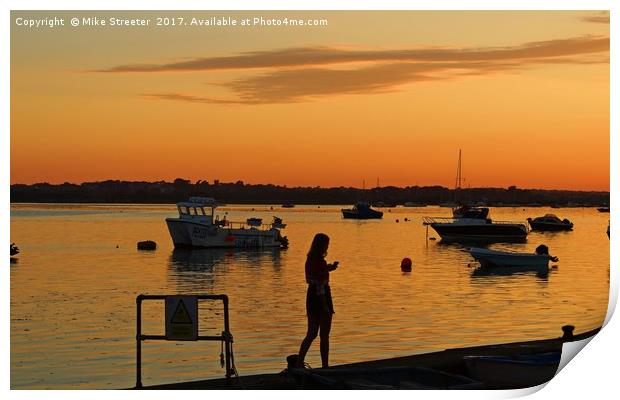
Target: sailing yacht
[
  {"x": 471, "y": 224},
  {"x": 463, "y": 210}
]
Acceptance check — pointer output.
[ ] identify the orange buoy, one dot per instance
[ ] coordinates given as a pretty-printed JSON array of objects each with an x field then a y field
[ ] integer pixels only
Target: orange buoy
[{"x": 405, "y": 265}]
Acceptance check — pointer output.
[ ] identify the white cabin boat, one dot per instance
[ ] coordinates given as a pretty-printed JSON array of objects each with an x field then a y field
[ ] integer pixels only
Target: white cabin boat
[
  {"x": 496, "y": 258},
  {"x": 198, "y": 226}
]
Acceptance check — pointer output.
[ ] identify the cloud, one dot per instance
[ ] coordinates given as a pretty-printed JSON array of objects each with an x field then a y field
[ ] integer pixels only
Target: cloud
[
  {"x": 189, "y": 98},
  {"x": 302, "y": 74},
  {"x": 320, "y": 56},
  {"x": 295, "y": 85},
  {"x": 600, "y": 18}
]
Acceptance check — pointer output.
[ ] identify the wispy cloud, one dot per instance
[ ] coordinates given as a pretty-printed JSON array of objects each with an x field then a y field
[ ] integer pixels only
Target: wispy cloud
[
  {"x": 600, "y": 18},
  {"x": 301, "y": 74},
  {"x": 317, "y": 56}
]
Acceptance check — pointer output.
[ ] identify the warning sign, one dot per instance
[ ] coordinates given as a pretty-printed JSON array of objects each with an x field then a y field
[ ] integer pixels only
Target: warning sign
[{"x": 181, "y": 318}]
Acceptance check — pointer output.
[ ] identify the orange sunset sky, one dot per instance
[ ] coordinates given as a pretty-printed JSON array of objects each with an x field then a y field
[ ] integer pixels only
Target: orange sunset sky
[{"x": 380, "y": 94}]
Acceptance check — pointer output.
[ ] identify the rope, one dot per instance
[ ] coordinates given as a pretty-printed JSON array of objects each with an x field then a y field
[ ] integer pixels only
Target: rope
[{"x": 227, "y": 337}]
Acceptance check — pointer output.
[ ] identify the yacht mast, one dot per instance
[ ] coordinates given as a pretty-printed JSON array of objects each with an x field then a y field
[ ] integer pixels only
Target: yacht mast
[
  {"x": 457, "y": 184},
  {"x": 458, "y": 173}
]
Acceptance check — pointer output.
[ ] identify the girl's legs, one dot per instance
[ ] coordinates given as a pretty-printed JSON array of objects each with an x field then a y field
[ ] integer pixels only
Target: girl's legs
[
  {"x": 311, "y": 334},
  {"x": 325, "y": 324}
]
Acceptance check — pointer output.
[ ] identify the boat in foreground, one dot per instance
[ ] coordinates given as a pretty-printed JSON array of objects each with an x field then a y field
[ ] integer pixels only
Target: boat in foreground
[
  {"x": 361, "y": 211},
  {"x": 495, "y": 258},
  {"x": 198, "y": 226},
  {"x": 512, "y": 371},
  {"x": 550, "y": 222},
  {"x": 476, "y": 230},
  {"x": 381, "y": 378},
  {"x": 452, "y": 361}
]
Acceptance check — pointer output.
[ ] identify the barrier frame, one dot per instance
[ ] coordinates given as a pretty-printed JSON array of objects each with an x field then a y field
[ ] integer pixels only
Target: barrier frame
[{"x": 225, "y": 337}]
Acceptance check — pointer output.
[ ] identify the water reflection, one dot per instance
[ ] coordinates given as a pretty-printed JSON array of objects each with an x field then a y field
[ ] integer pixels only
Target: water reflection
[
  {"x": 550, "y": 234},
  {"x": 483, "y": 272},
  {"x": 260, "y": 257},
  {"x": 197, "y": 260},
  {"x": 202, "y": 269},
  {"x": 266, "y": 288}
]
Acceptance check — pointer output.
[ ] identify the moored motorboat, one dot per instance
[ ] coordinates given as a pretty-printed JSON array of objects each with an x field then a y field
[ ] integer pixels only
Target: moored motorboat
[
  {"x": 502, "y": 259},
  {"x": 550, "y": 222},
  {"x": 361, "y": 211},
  {"x": 198, "y": 226},
  {"x": 476, "y": 229}
]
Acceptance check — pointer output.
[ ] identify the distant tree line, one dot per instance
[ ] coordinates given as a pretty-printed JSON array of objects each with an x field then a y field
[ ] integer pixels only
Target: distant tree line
[{"x": 116, "y": 191}]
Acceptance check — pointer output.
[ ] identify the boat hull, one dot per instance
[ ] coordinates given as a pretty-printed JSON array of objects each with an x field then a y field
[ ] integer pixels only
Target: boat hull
[
  {"x": 513, "y": 372},
  {"x": 542, "y": 226},
  {"x": 452, "y": 232},
  {"x": 349, "y": 214},
  {"x": 492, "y": 259},
  {"x": 193, "y": 234},
  {"x": 381, "y": 378}
]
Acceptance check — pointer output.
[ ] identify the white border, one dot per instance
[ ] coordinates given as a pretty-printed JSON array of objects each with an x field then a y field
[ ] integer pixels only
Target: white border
[{"x": 591, "y": 373}]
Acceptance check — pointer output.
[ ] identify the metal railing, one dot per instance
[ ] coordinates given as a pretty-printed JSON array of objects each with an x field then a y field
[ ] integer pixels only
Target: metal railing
[
  {"x": 244, "y": 225},
  {"x": 225, "y": 337}
]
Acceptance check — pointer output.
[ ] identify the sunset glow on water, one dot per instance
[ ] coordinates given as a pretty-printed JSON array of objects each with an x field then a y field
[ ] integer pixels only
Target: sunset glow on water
[
  {"x": 114, "y": 112},
  {"x": 73, "y": 291}
]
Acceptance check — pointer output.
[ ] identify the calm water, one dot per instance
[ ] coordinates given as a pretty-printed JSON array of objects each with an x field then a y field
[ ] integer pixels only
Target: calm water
[{"x": 73, "y": 291}]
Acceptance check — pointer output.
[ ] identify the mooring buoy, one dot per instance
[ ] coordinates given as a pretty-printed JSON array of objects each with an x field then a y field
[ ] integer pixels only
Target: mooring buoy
[
  {"x": 405, "y": 264},
  {"x": 147, "y": 245}
]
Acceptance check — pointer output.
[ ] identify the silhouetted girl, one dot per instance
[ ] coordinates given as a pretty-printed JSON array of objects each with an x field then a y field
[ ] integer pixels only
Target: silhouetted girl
[{"x": 319, "y": 307}]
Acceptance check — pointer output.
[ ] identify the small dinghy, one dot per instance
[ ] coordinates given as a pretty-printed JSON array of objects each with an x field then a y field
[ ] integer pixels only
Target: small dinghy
[
  {"x": 495, "y": 258},
  {"x": 361, "y": 210},
  {"x": 550, "y": 222}
]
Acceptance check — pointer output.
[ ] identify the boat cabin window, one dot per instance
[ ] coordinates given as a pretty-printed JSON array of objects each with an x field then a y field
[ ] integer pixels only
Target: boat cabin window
[
  {"x": 194, "y": 211},
  {"x": 185, "y": 210}
]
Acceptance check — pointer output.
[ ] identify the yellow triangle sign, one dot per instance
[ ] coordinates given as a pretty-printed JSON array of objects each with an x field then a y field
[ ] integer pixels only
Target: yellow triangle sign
[{"x": 181, "y": 316}]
